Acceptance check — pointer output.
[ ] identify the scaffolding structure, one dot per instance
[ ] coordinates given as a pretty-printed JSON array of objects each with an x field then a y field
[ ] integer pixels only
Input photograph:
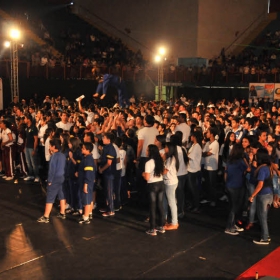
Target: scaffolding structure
[
  {"x": 160, "y": 80},
  {"x": 14, "y": 70}
]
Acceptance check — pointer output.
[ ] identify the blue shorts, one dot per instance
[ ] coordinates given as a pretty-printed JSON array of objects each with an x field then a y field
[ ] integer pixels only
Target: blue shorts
[
  {"x": 87, "y": 197},
  {"x": 54, "y": 190}
]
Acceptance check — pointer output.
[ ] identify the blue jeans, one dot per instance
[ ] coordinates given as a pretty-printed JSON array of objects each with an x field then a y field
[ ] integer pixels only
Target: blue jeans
[
  {"x": 253, "y": 206},
  {"x": 32, "y": 162},
  {"x": 108, "y": 184},
  {"x": 180, "y": 193},
  {"x": 170, "y": 199},
  {"x": 263, "y": 201},
  {"x": 156, "y": 191},
  {"x": 235, "y": 196}
]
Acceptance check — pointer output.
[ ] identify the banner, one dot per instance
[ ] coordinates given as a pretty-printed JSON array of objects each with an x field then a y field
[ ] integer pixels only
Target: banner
[
  {"x": 277, "y": 92},
  {"x": 1, "y": 95},
  {"x": 261, "y": 90}
]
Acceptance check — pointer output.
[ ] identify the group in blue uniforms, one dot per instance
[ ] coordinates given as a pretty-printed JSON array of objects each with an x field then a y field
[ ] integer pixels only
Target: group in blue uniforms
[{"x": 114, "y": 81}]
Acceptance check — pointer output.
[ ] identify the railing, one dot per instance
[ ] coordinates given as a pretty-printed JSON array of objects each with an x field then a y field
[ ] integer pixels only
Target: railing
[{"x": 180, "y": 75}]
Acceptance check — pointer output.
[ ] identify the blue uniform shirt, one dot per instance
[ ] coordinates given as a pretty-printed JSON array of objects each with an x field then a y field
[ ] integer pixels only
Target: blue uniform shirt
[
  {"x": 235, "y": 173},
  {"x": 109, "y": 152},
  {"x": 56, "y": 168},
  {"x": 87, "y": 171},
  {"x": 264, "y": 175}
]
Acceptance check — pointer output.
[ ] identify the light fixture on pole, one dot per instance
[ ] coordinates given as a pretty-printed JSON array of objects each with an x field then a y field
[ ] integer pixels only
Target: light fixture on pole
[
  {"x": 14, "y": 36},
  {"x": 159, "y": 60}
]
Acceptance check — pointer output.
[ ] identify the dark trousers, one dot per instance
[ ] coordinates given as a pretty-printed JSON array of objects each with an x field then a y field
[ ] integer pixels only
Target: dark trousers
[
  {"x": 211, "y": 183},
  {"x": 180, "y": 193},
  {"x": 117, "y": 188},
  {"x": 8, "y": 161},
  {"x": 156, "y": 192},
  {"x": 235, "y": 196},
  {"x": 192, "y": 179},
  {"x": 108, "y": 184}
]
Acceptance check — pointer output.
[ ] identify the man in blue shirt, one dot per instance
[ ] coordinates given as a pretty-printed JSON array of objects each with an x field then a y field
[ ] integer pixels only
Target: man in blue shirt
[{"x": 108, "y": 168}]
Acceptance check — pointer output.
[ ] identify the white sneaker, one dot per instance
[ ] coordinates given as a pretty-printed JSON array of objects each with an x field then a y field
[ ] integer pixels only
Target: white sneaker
[
  {"x": 223, "y": 198},
  {"x": 204, "y": 201},
  {"x": 28, "y": 178},
  {"x": 9, "y": 178},
  {"x": 37, "y": 180}
]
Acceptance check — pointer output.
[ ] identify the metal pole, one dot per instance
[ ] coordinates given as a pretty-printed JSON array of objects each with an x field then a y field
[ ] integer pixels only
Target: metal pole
[{"x": 14, "y": 71}]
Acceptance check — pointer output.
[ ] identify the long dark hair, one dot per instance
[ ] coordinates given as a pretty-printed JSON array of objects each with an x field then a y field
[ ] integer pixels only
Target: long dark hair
[
  {"x": 263, "y": 158},
  {"x": 198, "y": 135},
  {"x": 76, "y": 144},
  {"x": 177, "y": 141},
  {"x": 48, "y": 132},
  {"x": 226, "y": 145},
  {"x": 172, "y": 152},
  {"x": 155, "y": 155},
  {"x": 236, "y": 153},
  {"x": 273, "y": 153}
]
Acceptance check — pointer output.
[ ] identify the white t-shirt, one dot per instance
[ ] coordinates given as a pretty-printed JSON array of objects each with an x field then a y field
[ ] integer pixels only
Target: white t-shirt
[
  {"x": 122, "y": 158},
  {"x": 5, "y": 136},
  {"x": 118, "y": 165},
  {"x": 41, "y": 133},
  {"x": 182, "y": 166},
  {"x": 185, "y": 129},
  {"x": 64, "y": 126},
  {"x": 94, "y": 152},
  {"x": 90, "y": 116},
  {"x": 47, "y": 149},
  {"x": 149, "y": 168},
  {"x": 170, "y": 178},
  {"x": 148, "y": 134},
  {"x": 195, "y": 154},
  {"x": 211, "y": 162}
]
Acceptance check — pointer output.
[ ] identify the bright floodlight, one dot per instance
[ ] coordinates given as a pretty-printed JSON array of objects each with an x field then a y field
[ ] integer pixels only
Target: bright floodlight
[
  {"x": 157, "y": 58},
  {"x": 161, "y": 51},
  {"x": 7, "y": 44},
  {"x": 15, "y": 34}
]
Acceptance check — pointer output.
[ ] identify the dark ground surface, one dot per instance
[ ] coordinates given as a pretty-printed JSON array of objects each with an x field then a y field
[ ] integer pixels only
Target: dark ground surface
[{"x": 117, "y": 247}]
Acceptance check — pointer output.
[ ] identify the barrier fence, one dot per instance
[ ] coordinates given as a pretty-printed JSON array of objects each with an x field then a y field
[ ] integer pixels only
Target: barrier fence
[{"x": 179, "y": 75}]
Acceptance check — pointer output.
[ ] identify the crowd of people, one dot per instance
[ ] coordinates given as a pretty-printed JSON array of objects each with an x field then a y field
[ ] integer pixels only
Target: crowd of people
[{"x": 166, "y": 151}]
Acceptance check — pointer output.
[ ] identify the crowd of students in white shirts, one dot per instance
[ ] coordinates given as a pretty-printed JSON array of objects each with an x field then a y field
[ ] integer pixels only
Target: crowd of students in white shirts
[{"x": 164, "y": 150}]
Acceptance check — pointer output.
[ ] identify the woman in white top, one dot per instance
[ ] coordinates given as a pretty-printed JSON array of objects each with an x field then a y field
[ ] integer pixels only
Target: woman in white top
[
  {"x": 194, "y": 168},
  {"x": 6, "y": 146},
  {"x": 153, "y": 175},
  {"x": 171, "y": 182},
  {"x": 41, "y": 146},
  {"x": 176, "y": 139},
  {"x": 160, "y": 143},
  {"x": 47, "y": 137}
]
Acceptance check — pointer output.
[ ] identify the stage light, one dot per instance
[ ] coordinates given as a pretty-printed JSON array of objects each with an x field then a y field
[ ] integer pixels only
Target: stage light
[
  {"x": 7, "y": 44},
  {"x": 72, "y": 3},
  {"x": 157, "y": 58},
  {"x": 15, "y": 34},
  {"x": 162, "y": 51}
]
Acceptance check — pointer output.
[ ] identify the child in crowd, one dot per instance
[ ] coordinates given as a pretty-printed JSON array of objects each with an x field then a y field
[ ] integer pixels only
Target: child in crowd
[
  {"x": 86, "y": 177},
  {"x": 55, "y": 181}
]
